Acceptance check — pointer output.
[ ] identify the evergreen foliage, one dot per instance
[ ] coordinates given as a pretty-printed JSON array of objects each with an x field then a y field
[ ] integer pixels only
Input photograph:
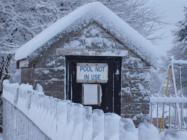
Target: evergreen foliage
[{"x": 180, "y": 48}]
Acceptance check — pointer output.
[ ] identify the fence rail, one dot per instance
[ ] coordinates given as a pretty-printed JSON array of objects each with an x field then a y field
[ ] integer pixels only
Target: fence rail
[{"x": 169, "y": 112}]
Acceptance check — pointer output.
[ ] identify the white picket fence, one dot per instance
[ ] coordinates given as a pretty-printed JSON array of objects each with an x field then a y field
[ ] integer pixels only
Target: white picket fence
[{"x": 30, "y": 115}]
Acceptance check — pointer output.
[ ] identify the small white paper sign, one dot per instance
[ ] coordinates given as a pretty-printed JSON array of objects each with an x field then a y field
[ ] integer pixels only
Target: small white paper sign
[
  {"x": 90, "y": 96},
  {"x": 92, "y": 72}
]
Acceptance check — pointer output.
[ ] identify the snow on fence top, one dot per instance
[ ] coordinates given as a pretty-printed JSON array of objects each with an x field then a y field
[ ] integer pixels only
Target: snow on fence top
[
  {"x": 59, "y": 119},
  {"x": 180, "y": 62},
  {"x": 93, "y": 12},
  {"x": 65, "y": 120},
  {"x": 164, "y": 99}
]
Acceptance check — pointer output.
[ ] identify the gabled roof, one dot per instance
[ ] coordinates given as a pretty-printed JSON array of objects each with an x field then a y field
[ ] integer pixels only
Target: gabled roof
[{"x": 86, "y": 14}]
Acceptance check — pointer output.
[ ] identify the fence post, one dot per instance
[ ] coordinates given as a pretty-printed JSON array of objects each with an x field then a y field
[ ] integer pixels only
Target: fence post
[
  {"x": 98, "y": 125},
  {"x": 16, "y": 96},
  {"x": 169, "y": 115},
  {"x": 30, "y": 94},
  {"x": 147, "y": 131},
  {"x": 112, "y": 131},
  {"x": 127, "y": 130},
  {"x": 61, "y": 118},
  {"x": 70, "y": 120},
  {"x": 88, "y": 123},
  {"x": 78, "y": 125}
]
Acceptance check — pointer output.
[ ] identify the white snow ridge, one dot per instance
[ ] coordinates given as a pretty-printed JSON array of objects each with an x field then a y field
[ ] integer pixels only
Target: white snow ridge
[{"x": 92, "y": 12}]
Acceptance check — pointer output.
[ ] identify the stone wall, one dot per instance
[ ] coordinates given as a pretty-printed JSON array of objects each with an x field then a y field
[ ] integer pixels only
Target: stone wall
[
  {"x": 48, "y": 68},
  {"x": 135, "y": 87}
]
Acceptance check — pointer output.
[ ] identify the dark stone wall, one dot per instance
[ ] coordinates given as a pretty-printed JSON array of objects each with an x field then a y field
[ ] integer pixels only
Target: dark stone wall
[
  {"x": 49, "y": 76},
  {"x": 48, "y": 68},
  {"x": 135, "y": 88}
]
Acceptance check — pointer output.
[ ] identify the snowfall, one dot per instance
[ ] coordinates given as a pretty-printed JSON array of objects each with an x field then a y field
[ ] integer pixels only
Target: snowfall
[{"x": 147, "y": 131}]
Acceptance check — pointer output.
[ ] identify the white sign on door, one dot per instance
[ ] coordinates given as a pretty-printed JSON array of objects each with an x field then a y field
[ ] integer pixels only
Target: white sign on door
[{"x": 92, "y": 72}]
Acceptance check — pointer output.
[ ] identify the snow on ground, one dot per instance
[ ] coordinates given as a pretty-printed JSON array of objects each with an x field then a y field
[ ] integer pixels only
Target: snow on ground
[
  {"x": 173, "y": 135},
  {"x": 1, "y": 137},
  {"x": 170, "y": 12}
]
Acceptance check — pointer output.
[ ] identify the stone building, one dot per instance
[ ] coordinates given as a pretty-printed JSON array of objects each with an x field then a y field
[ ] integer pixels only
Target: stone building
[{"x": 93, "y": 57}]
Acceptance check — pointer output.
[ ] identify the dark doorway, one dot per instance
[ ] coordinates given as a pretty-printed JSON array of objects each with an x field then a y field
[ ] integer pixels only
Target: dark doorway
[{"x": 94, "y": 81}]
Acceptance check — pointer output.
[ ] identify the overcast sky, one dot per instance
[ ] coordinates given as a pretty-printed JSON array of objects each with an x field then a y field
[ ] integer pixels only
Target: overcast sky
[{"x": 170, "y": 11}]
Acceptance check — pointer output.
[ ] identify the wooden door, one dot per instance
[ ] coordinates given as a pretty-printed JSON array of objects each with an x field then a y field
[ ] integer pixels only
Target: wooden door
[{"x": 108, "y": 91}]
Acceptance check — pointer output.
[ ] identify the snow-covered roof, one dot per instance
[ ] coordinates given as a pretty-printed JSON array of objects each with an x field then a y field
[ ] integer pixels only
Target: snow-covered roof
[{"x": 99, "y": 13}]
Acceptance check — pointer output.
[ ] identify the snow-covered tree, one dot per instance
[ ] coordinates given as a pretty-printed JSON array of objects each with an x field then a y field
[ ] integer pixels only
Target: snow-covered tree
[
  {"x": 21, "y": 20},
  {"x": 4, "y": 63},
  {"x": 4, "y": 74},
  {"x": 180, "y": 49}
]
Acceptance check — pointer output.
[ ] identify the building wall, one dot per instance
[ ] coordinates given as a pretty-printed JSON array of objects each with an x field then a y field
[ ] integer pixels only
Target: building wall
[
  {"x": 48, "y": 69},
  {"x": 135, "y": 87}
]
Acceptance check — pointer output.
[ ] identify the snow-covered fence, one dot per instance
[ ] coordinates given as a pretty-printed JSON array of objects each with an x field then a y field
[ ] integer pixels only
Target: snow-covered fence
[
  {"x": 169, "y": 112},
  {"x": 18, "y": 127},
  {"x": 30, "y": 115}
]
